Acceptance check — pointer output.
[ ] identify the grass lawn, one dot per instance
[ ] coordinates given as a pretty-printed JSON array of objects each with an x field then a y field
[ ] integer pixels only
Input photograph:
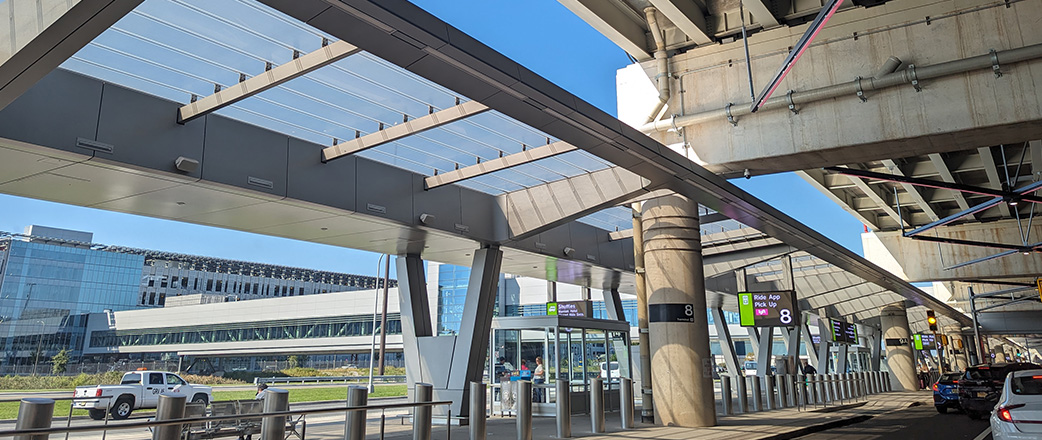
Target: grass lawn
[{"x": 9, "y": 410}]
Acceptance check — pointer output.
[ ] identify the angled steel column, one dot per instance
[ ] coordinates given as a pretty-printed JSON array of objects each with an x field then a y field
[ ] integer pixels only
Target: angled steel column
[
  {"x": 471, "y": 344},
  {"x": 808, "y": 341},
  {"x": 415, "y": 315},
  {"x": 823, "y": 346},
  {"x": 876, "y": 349},
  {"x": 792, "y": 342},
  {"x": 764, "y": 353},
  {"x": 723, "y": 334},
  {"x": 682, "y": 364}
]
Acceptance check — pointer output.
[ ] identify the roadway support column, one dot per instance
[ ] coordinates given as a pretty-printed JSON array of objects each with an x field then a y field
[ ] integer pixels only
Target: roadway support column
[
  {"x": 958, "y": 355},
  {"x": 894, "y": 322},
  {"x": 681, "y": 363}
]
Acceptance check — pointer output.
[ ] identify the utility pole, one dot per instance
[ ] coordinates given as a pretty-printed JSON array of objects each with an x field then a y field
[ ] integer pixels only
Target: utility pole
[{"x": 383, "y": 316}]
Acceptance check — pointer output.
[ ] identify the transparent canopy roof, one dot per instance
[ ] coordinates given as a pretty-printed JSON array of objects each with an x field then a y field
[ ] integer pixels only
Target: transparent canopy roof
[{"x": 180, "y": 49}]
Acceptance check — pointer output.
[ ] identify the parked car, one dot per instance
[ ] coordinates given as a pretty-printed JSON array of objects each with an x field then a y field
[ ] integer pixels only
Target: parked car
[
  {"x": 137, "y": 390},
  {"x": 1018, "y": 414},
  {"x": 980, "y": 386},
  {"x": 946, "y": 392}
]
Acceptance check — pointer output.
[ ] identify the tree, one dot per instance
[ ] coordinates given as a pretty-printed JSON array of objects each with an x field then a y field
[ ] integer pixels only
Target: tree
[
  {"x": 293, "y": 361},
  {"x": 60, "y": 361}
]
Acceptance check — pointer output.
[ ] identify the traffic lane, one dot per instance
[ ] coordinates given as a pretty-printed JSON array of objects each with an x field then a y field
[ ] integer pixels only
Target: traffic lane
[{"x": 920, "y": 422}]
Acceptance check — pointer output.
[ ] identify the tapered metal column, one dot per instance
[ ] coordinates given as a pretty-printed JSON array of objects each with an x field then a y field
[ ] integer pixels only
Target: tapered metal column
[
  {"x": 34, "y": 412},
  {"x": 725, "y": 395},
  {"x": 524, "y": 409},
  {"x": 757, "y": 394},
  {"x": 743, "y": 394},
  {"x": 771, "y": 401},
  {"x": 597, "y": 405},
  {"x": 682, "y": 365},
  {"x": 354, "y": 427},
  {"x": 421, "y": 419},
  {"x": 626, "y": 400},
  {"x": 899, "y": 358},
  {"x": 478, "y": 394},
  {"x": 171, "y": 406},
  {"x": 564, "y": 409}
]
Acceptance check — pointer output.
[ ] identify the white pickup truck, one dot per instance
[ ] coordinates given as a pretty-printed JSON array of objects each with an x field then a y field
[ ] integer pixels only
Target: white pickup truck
[{"x": 137, "y": 390}]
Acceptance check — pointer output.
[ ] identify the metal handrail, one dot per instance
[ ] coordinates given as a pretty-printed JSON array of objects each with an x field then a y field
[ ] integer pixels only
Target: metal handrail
[
  {"x": 184, "y": 421},
  {"x": 58, "y": 399},
  {"x": 302, "y": 379}
]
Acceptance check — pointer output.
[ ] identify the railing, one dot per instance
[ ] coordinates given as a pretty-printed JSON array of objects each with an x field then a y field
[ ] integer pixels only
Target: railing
[
  {"x": 327, "y": 379},
  {"x": 798, "y": 391},
  {"x": 150, "y": 424}
]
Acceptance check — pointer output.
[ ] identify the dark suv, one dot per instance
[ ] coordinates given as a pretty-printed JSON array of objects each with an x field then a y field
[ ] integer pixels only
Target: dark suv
[{"x": 981, "y": 385}]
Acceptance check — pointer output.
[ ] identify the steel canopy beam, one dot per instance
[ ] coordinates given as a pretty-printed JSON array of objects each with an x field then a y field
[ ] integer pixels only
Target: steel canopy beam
[
  {"x": 897, "y": 178},
  {"x": 405, "y": 129},
  {"x": 51, "y": 43},
  {"x": 502, "y": 163},
  {"x": 688, "y": 17},
  {"x": 912, "y": 191},
  {"x": 301, "y": 66},
  {"x": 404, "y": 34}
]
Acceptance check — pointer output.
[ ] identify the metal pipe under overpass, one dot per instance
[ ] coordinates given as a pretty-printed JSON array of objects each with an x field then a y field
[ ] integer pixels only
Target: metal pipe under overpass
[
  {"x": 909, "y": 76},
  {"x": 647, "y": 406}
]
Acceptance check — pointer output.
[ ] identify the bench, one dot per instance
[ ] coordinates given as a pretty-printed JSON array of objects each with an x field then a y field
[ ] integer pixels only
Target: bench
[{"x": 244, "y": 427}]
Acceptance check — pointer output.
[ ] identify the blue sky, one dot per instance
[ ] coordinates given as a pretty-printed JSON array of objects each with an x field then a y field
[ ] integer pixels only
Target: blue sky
[{"x": 540, "y": 34}]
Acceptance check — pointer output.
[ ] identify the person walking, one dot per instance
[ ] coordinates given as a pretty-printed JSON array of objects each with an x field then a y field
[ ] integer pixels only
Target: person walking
[{"x": 539, "y": 378}]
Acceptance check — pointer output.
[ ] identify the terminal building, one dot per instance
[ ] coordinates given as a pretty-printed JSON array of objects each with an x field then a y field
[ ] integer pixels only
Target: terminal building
[{"x": 51, "y": 279}]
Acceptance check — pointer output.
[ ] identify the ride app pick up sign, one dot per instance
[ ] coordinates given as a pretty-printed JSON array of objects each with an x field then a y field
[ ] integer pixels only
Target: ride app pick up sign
[{"x": 768, "y": 309}]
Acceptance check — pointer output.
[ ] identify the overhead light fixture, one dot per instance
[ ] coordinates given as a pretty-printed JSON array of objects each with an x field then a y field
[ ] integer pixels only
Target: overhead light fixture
[
  {"x": 1013, "y": 202},
  {"x": 426, "y": 218},
  {"x": 568, "y": 251}
]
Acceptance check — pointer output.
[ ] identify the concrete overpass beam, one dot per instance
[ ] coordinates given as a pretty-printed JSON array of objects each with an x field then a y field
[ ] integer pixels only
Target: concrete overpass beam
[
  {"x": 609, "y": 20},
  {"x": 688, "y": 17}
]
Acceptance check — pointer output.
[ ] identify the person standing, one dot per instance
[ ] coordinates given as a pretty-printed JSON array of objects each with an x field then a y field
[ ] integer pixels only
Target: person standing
[
  {"x": 808, "y": 369},
  {"x": 538, "y": 378}
]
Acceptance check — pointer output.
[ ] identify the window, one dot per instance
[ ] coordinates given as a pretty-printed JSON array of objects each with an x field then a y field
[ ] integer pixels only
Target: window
[
  {"x": 155, "y": 378},
  {"x": 172, "y": 379},
  {"x": 130, "y": 379},
  {"x": 219, "y": 285},
  {"x": 209, "y": 285}
]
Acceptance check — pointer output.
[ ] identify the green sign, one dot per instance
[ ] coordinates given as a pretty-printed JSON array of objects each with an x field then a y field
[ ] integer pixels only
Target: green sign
[
  {"x": 551, "y": 309},
  {"x": 918, "y": 341},
  {"x": 768, "y": 309}
]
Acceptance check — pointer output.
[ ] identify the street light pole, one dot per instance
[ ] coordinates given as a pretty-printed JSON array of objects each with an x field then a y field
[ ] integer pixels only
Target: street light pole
[
  {"x": 39, "y": 346},
  {"x": 376, "y": 311}
]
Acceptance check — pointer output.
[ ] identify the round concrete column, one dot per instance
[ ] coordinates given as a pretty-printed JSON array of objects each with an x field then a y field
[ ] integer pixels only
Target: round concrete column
[
  {"x": 899, "y": 359},
  {"x": 681, "y": 364},
  {"x": 959, "y": 361}
]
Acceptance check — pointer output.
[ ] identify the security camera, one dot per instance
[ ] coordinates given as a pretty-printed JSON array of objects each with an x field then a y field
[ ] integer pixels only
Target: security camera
[{"x": 747, "y": 174}]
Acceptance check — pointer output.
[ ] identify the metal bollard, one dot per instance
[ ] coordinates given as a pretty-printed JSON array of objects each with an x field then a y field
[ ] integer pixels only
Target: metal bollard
[
  {"x": 596, "y": 405},
  {"x": 888, "y": 382},
  {"x": 862, "y": 383},
  {"x": 524, "y": 409},
  {"x": 725, "y": 395},
  {"x": 801, "y": 387},
  {"x": 626, "y": 400},
  {"x": 757, "y": 394},
  {"x": 833, "y": 396},
  {"x": 275, "y": 400},
  {"x": 790, "y": 391},
  {"x": 171, "y": 406},
  {"x": 421, "y": 416},
  {"x": 770, "y": 402},
  {"x": 743, "y": 395},
  {"x": 564, "y": 409},
  {"x": 478, "y": 427},
  {"x": 34, "y": 412},
  {"x": 783, "y": 391},
  {"x": 354, "y": 426}
]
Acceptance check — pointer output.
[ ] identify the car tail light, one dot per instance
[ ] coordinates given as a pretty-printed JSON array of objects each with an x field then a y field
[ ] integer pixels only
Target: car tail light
[
  {"x": 935, "y": 387},
  {"x": 1004, "y": 413},
  {"x": 97, "y": 393}
]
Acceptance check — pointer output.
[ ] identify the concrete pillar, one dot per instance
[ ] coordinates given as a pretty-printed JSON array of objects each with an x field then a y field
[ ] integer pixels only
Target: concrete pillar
[
  {"x": 959, "y": 356},
  {"x": 681, "y": 363},
  {"x": 899, "y": 360}
]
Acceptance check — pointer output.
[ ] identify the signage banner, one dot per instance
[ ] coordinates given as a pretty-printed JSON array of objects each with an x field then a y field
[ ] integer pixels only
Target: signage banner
[
  {"x": 581, "y": 309},
  {"x": 671, "y": 312},
  {"x": 843, "y": 332},
  {"x": 768, "y": 309}
]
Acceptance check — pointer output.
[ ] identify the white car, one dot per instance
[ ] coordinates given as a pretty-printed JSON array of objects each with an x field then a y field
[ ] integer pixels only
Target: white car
[
  {"x": 137, "y": 390},
  {"x": 1018, "y": 415}
]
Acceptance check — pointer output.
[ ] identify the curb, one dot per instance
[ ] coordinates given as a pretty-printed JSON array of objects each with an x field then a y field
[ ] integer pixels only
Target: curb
[{"x": 836, "y": 423}]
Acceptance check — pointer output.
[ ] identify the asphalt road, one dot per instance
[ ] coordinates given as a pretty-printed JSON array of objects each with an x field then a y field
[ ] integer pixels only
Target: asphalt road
[{"x": 921, "y": 422}]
